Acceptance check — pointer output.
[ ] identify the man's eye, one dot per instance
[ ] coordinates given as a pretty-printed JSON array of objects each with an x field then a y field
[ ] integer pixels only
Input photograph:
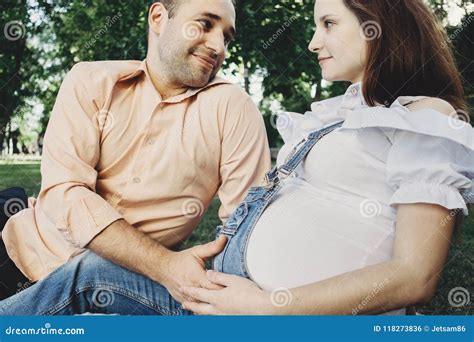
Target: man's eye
[
  {"x": 227, "y": 40},
  {"x": 206, "y": 24}
]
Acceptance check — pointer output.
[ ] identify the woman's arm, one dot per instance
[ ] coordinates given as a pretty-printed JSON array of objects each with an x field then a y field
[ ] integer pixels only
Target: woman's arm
[{"x": 422, "y": 241}]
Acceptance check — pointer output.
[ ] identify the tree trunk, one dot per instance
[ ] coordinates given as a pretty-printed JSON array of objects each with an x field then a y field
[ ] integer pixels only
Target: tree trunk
[{"x": 247, "y": 80}]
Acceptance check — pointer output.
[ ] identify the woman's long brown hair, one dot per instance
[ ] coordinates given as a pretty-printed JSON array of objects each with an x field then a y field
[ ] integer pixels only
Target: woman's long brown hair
[{"x": 408, "y": 53}]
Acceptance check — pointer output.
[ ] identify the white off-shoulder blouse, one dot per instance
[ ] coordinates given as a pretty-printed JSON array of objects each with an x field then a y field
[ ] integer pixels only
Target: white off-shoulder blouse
[{"x": 337, "y": 213}]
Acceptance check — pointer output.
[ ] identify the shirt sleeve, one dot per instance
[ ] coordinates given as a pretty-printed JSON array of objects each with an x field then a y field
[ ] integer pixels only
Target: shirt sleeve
[
  {"x": 430, "y": 169},
  {"x": 70, "y": 153},
  {"x": 245, "y": 156}
]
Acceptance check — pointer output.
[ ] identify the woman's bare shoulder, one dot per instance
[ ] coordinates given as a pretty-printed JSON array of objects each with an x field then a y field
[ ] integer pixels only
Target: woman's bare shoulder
[{"x": 435, "y": 103}]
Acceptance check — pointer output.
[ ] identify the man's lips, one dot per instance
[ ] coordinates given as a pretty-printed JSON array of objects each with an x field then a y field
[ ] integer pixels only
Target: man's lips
[{"x": 205, "y": 60}]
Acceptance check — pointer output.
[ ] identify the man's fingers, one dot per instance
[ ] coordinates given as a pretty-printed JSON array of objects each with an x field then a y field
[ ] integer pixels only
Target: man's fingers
[{"x": 211, "y": 248}]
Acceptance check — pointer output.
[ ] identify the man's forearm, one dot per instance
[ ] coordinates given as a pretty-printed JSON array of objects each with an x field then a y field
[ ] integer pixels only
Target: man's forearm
[{"x": 132, "y": 249}]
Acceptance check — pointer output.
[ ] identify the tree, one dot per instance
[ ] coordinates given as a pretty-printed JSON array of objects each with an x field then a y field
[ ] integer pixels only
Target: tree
[
  {"x": 272, "y": 39},
  {"x": 462, "y": 38},
  {"x": 13, "y": 52}
]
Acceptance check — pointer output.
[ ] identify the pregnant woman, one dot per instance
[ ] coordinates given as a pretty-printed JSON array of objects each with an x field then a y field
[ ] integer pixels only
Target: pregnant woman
[{"x": 357, "y": 216}]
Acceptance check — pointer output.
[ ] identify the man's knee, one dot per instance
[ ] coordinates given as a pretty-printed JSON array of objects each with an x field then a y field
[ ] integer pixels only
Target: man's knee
[{"x": 87, "y": 265}]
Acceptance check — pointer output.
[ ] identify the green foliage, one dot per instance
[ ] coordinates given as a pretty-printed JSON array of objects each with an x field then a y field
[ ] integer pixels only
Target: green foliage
[
  {"x": 272, "y": 39},
  {"x": 13, "y": 50},
  {"x": 462, "y": 38}
]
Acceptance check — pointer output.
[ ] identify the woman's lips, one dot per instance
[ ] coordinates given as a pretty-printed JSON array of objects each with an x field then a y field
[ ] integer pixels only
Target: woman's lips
[
  {"x": 323, "y": 60},
  {"x": 206, "y": 61}
]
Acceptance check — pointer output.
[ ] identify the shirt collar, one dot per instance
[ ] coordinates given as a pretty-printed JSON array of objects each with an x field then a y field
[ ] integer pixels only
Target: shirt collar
[
  {"x": 337, "y": 108},
  {"x": 353, "y": 97},
  {"x": 143, "y": 70}
]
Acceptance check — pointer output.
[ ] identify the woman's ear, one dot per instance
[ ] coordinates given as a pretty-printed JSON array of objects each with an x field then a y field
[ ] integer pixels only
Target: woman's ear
[{"x": 157, "y": 18}]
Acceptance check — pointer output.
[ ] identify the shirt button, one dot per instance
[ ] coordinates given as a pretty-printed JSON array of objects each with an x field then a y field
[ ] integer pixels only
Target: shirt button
[
  {"x": 136, "y": 180},
  {"x": 354, "y": 91}
]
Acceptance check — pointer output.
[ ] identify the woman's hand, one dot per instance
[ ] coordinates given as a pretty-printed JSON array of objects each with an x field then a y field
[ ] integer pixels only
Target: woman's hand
[{"x": 239, "y": 296}]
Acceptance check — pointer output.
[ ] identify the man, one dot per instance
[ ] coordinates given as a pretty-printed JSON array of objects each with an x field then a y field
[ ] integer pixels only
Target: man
[{"x": 135, "y": 151}]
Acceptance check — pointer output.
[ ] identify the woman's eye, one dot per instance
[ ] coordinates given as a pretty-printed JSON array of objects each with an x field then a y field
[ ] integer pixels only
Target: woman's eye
[{"x": 328, "y": 23}]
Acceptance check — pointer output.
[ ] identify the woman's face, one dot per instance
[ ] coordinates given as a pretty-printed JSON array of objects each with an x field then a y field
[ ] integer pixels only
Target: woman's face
[{"x": 339, "y": 42}]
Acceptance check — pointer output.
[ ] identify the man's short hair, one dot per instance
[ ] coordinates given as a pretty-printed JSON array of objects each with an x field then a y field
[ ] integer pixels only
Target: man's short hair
[{"x": 172, "y": 5}]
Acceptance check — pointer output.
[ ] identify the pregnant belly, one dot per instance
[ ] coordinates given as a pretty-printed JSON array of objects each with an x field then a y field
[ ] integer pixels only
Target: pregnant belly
[{"x": 306, "y": 235}]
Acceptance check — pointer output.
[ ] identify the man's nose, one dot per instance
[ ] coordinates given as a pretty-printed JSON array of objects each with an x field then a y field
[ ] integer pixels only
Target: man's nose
[{"x": 215, "y": 42}]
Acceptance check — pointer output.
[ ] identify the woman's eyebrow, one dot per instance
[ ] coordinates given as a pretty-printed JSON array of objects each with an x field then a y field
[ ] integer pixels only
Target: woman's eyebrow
[{"x": 324, "y": 17}]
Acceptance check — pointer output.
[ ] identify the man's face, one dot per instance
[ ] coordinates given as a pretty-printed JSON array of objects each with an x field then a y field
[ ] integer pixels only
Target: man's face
[{"x": 192, "y": 44}]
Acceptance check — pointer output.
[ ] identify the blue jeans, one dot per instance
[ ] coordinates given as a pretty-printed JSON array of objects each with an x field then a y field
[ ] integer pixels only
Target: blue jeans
[{"x": 91, "y": 284}]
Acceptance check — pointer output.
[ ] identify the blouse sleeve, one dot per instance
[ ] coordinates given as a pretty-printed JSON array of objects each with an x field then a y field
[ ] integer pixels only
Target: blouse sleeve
[
  {"x": 431, "y": 158},
  {"x": 430, "y": 169}
]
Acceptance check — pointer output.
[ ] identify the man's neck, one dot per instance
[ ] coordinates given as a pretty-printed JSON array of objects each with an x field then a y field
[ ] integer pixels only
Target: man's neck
[{"x": 163, "y": 86}]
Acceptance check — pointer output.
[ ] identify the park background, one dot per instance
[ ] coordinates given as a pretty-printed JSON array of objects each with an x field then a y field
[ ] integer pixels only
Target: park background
[{"x": 42, "y": 40}]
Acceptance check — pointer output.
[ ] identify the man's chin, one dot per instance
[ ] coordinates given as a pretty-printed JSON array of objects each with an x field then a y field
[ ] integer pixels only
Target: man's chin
[{"x": 200, "y": 82}]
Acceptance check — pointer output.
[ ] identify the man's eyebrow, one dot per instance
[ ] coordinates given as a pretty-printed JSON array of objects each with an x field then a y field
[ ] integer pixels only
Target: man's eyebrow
[
  {"x": 217, "y": 18},
  {"x": 211, "y": 15}
]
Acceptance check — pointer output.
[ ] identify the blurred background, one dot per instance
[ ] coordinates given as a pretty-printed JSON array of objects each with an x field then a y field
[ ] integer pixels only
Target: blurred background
[{"x": 42, "y": 40}]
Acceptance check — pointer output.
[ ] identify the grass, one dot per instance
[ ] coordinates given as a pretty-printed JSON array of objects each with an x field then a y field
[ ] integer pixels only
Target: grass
[
  {"x": 24, "y": 174},
  {"x": 457, "y": 273}
]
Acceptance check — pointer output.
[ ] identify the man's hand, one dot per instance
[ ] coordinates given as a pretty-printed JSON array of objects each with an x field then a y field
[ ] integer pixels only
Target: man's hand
[
  {"x": 129, "y": 248},
  {"x": 187, "y": 268}
]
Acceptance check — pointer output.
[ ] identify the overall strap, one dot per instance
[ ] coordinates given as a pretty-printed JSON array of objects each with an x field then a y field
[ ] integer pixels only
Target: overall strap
[{"x": 299, "y": 154}]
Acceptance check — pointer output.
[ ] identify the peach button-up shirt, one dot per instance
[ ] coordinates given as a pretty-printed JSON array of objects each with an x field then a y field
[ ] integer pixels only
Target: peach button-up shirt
[{"x": 114, "y": 149}]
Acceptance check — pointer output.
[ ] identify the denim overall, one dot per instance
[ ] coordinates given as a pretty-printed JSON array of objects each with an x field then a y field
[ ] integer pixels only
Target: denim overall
[{"x": 242, "y": 221}]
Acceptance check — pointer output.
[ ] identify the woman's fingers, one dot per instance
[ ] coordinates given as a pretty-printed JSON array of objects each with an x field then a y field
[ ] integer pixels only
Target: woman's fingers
[
  {"x": 198, "y": 293},
  {"x": 211, "y": 286},
  {"x": 200, "y": 308},
  {"x": 222, "y": 278}
]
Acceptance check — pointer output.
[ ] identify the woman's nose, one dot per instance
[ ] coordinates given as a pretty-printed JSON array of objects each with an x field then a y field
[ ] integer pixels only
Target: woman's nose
[{"x": 315, "y": 44}]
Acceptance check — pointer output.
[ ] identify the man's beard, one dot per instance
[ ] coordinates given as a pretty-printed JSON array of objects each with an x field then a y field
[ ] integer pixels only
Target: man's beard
[{"x": 182, "y": 68}]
